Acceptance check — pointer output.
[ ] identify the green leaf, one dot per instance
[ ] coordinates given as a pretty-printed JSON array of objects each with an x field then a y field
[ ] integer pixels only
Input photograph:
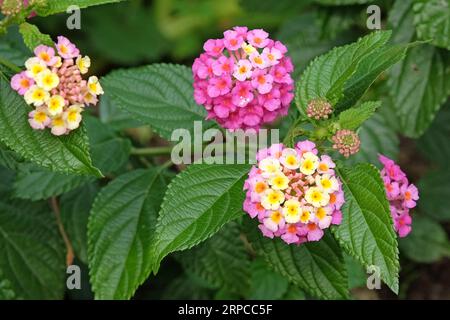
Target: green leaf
[
  {"x": 221, "y": 261},
  {"x": 432, "y": 20},
  {"x": 65, "y": 154},
  {"x": 35, "y": 183},
  {"x": 121, "y": 230},
  {"x": 198, "y": 202},
  {"x": 341, "y": 2},
  {"x": 311, "y": 34},
  {"x": 114, "y": 117},
  {"x": 427, "y": 241},
  {"x": 434, "y": 143},
  {"x": 185, "y": 288},
  {"x": 434, "y": 190},
  {"x": 75, "y": 207},
  {"x": 368, "y": 70},
  {"x": 32, "y": 37},
  {"x": 353, "y": 118},
  {"x": 377, "y": 137},
  {"x": 59, "y": 6},
  {"x": 31, "y": 251},
  {"x": 357, "y": 277},
  {"x": 401, "y": 21},
  {"x": 266, "y": 284},
  {"x": 366, "y": 231},
  {"x": 328, "y": 74},
  {"x": 7, "y": 178},
  {"x": 6, "y": 288},
  {"x": 109, "y": 152},
  {"x": 160, "y": 95},
  {"x": 418, "y": 85},
  {"x": 9, "y": 159},
  {"x": 12, "y": 47},
  {"x": 317, "y": 267}
]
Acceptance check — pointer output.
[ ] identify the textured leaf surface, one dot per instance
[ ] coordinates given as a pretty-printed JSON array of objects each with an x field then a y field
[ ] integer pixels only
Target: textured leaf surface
[
  {"x": 328, "y": 74},
  {"x": 432, "y": 20},
  {"x": 32, "y": 37},
  {"x": 120, "y": 233},
  {"x": 12, "y": 47},
  {"x": 427, "y": 242},
  {"x": 75, "y": 207},
  {"x": 353, "y": 118},
  {"x": 160, "y": 95},
  {"x": 198, "y": 202},
  {"x": 31, "y": 251},
  {"x": 418, "y": 85},
  {"x": 222, "y": 261},
  {"x": 67, "y": 154},
  {"x": 368, "y": 71},
  {"x": 266, "y": 283},
  {"x": 6, "y": 288},
  {"x": 115, "y": 117},
  {"x": 35, "y": 183},
  {"x": 109, "y": 151},
  {"x": 9, "y": 158},
  {"x": 59, "y": 6},
  {"x": 366, "y": 231},
  {"x": 316, "y": 267}
]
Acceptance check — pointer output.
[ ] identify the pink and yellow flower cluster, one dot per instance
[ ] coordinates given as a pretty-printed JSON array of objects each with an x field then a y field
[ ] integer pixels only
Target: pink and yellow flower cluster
[
  {"x": 53, "y": 84},
  {"x": 243, "y": 79},
  {"x": 294, "y": 193},
  {"x": 401, "y": 194}
]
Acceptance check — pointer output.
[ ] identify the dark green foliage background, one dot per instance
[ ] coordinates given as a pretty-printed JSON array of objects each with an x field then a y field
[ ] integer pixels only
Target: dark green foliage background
[{"x": 411, "y": 126}]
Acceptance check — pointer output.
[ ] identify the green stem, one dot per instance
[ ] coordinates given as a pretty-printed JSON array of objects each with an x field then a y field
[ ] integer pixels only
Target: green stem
[
  {"x": 152, "y": 151},
  {"x": 293, "y": 132},
  {"x": 10, "y": 65}
]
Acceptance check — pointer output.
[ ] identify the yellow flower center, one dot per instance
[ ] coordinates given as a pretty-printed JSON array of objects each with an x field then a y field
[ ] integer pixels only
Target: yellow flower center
[
  {"x": 45, "y": 56},
  {"x": 291, "y": 160},
  {"x": 305, "y": 216},
  {"x": 40, "y": 116},
  {"x": 316, "y": 196},
  {"x": 260, "y": 187},
  {"x": 58, "y": 122},
  {"x": 321, "y": 213},
  {"x": 326, "y": 184},
  {"x": 72, "y": 116},
  {"x": 276, "y": 217}
]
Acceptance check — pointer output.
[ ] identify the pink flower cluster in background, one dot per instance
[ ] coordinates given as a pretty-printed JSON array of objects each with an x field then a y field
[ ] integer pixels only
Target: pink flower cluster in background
[
  {"x": 243, "y": 80},
  {"x": 401, "y": 194},
  {"x": 15, "y": 7},
  {"x": 53, "y": 84},
  {"x": 294, "y": 193}
]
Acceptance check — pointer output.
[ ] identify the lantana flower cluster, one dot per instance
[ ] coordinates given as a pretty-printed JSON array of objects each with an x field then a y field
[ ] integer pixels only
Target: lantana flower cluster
[
  {"x": 294, "y": 193},
  {"x": 243, "y": 80},
  {"x": 401, "y": 194},
  {"x": 12, "y": 7},
  {"x": 53, "y": 84}
]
